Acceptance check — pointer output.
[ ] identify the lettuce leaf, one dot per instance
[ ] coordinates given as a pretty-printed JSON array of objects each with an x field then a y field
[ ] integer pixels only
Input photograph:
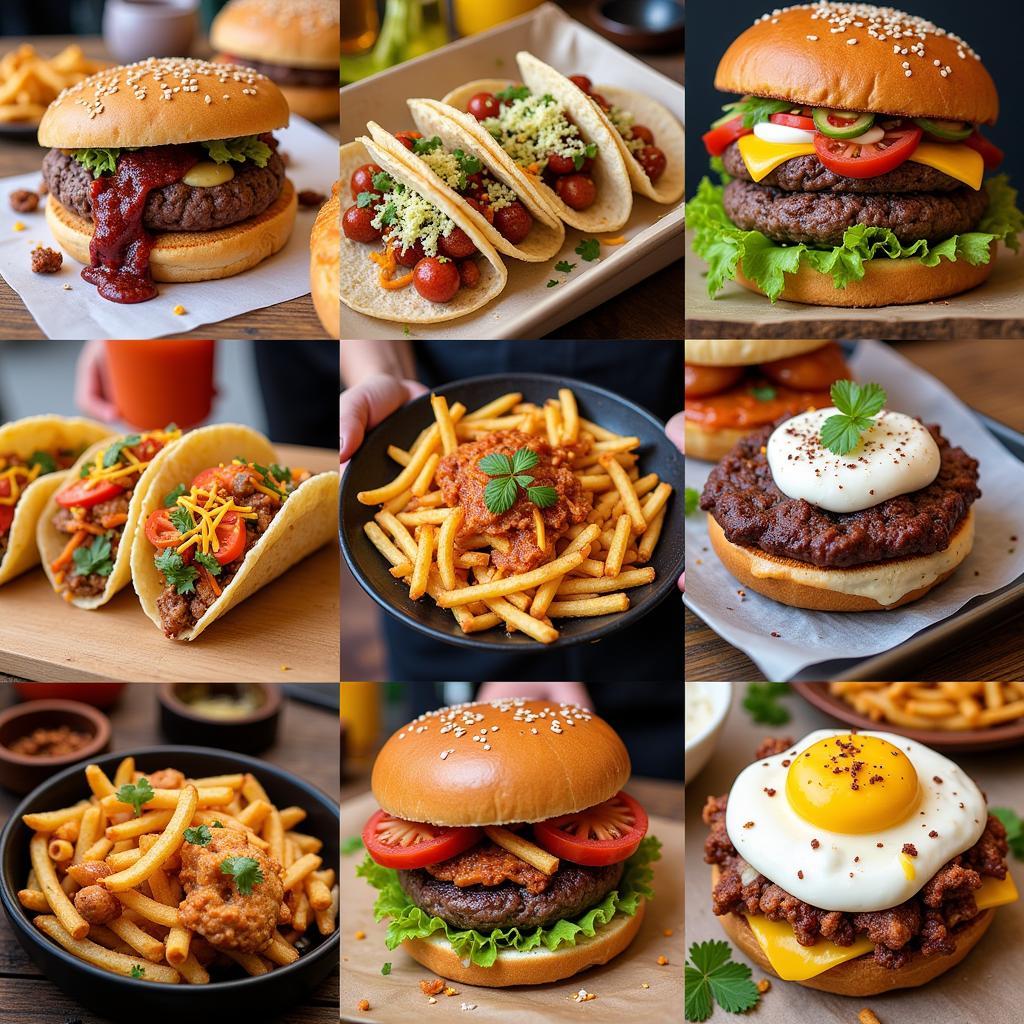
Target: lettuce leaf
[
  {"x": 245, "y": 147},
  {"x": 724, "y": 246},
  {"x": 410, "y": 922}
]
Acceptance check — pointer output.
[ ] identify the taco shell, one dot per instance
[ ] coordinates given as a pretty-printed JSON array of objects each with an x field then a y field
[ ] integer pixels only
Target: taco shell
[
  {"x": 360, "y": 285},
  {"x": 22, "y": 438},
  {"x": 51, "y": 543},
  {"x": 614, "y": 201},
  {"x": 307, "y": 520},
  {"x": 431, "y": 118}
]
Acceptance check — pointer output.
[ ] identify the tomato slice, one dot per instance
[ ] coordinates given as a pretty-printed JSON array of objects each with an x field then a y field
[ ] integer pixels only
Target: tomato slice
[
  {"x": 160, "y": 531},
  {"x": 85, "y": 497},
  {"x": 396, "y": 843},
  {"x": 793, "y": 121},
  {"x": 230, "y": 538},
  {"x": 851, "y": 160},
  {"x": 147, "y": 448},
  {"x": 6, "y": 517},
  {"x": 605, "y": 834},
  {"x": 718, "y": 140},
  {"x": 222, "y": 476},
  {"x": 990, "y": 153}
]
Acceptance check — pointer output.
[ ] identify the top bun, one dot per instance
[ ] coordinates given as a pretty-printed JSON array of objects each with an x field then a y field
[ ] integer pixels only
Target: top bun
[
  {"x": 498, "y": 763},
  {"x": 745, "y": 351},
  {"x": 860, "y": 57},
  {"x": 295, "y": 34},
  {"x": 162, "y": 102}
]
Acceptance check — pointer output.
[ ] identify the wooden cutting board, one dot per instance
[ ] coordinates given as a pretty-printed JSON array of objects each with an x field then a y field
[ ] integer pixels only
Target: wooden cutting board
[{"x": 288, "y": 631}]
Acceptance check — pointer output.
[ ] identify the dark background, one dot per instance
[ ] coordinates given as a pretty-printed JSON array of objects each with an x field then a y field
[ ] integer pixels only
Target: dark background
[
  {"x": 64, "y": 17},
  {"x": 993, "y": 28}
]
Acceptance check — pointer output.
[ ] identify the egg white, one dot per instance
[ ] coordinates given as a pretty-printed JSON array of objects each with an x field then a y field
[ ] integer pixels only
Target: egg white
[{"x": 778, "y": 844}]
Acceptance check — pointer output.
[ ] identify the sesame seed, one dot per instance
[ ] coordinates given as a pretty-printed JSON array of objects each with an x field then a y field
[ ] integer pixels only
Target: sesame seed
[
  {"x": 851, "y": 42},
  {"x": 909, "y": 73},
  {"x": 813, "y": 39}
]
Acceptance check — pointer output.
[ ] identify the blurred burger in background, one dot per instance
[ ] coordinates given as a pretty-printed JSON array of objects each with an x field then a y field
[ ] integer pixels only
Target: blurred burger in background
[
  {"x": 295, "y": 43},
  {"x": 736, "y": 386}
]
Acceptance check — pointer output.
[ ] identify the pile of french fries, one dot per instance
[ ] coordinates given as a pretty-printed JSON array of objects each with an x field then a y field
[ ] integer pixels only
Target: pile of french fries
[{"x": 29, "y": 83}]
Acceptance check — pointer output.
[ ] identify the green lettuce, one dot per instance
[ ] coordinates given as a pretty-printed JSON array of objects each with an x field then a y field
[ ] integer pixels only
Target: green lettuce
[
  {"x": 410, "y": 922},
  {"x": 724, "y": 246}
]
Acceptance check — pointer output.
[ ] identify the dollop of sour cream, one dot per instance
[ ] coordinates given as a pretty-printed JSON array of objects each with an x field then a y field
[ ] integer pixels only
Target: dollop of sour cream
[{"x": 895, "y": 455}]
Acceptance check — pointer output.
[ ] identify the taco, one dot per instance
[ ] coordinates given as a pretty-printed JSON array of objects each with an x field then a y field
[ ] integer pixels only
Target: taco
[
  {"x": 86, "y": 527},
  {"x": 548, "y": 129},
  {"x": 510, "y": 216},
  {"x": 220, "y": 520},
  {"x": 393, "y": 242},
  {"x": 35, "y": 454}
]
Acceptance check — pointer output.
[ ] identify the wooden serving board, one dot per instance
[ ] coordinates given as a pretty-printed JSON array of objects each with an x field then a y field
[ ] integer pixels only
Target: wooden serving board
[{"x": 288, "y": 631}]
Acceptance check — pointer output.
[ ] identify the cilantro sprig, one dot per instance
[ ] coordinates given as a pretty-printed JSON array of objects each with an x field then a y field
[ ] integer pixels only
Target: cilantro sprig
[
  {"x": 136, "y": 794},
  {"x": 858, "y": 406},
  {"x": 761, "y": 701},
  {"x": 245, "y": 871},
  {"x": 94, "y": 559},
  {"x": 713, "y": 977},
  {"x": 508, "y": 476}
]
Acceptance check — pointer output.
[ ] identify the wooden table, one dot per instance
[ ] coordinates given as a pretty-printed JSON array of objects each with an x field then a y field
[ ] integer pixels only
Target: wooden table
[
  {"x": 287, "y": 630},
  {"x": 306, "y": 737},
  {"x": 290, "y": 320},
  {"x": 985, "y": 375}
]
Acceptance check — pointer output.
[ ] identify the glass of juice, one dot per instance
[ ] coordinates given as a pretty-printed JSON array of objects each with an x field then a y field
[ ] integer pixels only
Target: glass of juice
[{"x": 473, "y": 16}]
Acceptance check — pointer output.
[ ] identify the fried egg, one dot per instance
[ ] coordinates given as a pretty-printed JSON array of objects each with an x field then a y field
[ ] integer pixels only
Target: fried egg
[{"x": 853, "y": 822}]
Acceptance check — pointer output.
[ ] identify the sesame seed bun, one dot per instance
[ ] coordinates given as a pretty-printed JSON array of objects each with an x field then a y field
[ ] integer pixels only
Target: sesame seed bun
[
  {"x": 863, "y": 976},
  {"x": 827, "y": 61},
  {"x": 744, "y": 351},
  {"x": 526, "y": 766},
  {"x": 296, "y": 33},
  {"x": 325, "y": 263},
  {"x": 160, "y": 102},
  {"x": 711, "y": 443}
]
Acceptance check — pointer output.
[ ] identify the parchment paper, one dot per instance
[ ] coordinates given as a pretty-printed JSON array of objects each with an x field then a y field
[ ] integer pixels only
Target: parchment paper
[
  {"x": 618, "y": 985},
  {"x": 527, "y": 305},
  {"x": 81, "y": 313},
  {"x": 808, "y": 637}
]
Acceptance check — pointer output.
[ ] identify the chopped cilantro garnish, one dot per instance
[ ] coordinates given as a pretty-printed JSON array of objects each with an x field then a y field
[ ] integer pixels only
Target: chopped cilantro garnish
[
  {"x": 245, "y": 871},
  {"x": 136, "y": 794}
]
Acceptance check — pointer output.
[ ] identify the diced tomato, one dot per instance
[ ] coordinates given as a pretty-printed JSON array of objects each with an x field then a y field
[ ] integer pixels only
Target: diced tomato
[
  {"x": 85, "y": 497},
  {"x": 719, "y": 139},
  {"x": 855, "y": 161},
  {"x": 990, "y": 153},
  {"x": 605, "y": 834},
  {"x": 396, "y": 843},
  {"x": 6, "y": 517}
]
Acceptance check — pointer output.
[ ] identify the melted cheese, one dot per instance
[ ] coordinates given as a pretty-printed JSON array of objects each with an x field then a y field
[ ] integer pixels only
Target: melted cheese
[
  {"x": 958, "y": 161},
  {"x": 996, "y": 893}
]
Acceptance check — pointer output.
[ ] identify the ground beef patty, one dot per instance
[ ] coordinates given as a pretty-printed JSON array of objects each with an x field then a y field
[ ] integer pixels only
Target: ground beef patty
[
  {"x": 571, "y": 891},
  {"x": 809, "y": 174},
  {"x": 821, "y": 218},
  {"x": 742, "y": 496},
  {"x": 317, "y": 78},
  {"x": 176, "y": 207}
]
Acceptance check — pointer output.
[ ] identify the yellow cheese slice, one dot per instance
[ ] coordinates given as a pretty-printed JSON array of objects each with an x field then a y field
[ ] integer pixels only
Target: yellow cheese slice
[
  {"x": 996, "y": 893},
  {"x": 960, "y": 162}
]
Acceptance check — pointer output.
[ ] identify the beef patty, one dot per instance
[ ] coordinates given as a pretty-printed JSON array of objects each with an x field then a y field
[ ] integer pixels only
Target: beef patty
[
  {"x": 742, "y": 496},
  {"x": 572, "y": 890},
  {"x": 176, "y": 207},
  {"x": 809, "y": 174},
  {"x": 821, "y": 218},
  {"x": 317, "y": 78}
]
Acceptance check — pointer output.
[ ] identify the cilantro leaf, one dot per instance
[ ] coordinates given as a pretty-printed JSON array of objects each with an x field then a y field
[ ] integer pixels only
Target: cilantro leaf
[
  {"x": 564, "y": 267},
  {"x": 138, "y": 971},
  {"x": 209, "y": 563},
  {"x": 692, "y": 499},
  {"x": 245, "y": 871},
  {"x": 112, "y": 455},
  {"x": 95, "y": 558},
  {"x": 1014, "y": 829},
  {"x": 761, "y": 701},
  {"x": 182, "y": 519},
  {"x": 589, "y": 249},
  {"x": 177, "y": 574},
  {"x": 44, "y": 460},
  {"x": 136, "y": 794},
  {"x": 552, "y": 284},
  {"x": 198, "y": 836},
  {"x": 171, "y": 497},
  {"x": 763, "y": 394},
  {"x": 857, "y": 405}
]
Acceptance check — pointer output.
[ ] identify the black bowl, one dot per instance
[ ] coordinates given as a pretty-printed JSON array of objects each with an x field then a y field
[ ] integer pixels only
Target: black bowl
[
  {"x": 127, "y": 998},
  {"x": 371, "y": 467}
]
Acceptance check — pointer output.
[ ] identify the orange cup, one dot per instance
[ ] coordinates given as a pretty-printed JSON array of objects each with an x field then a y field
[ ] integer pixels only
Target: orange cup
[{"x": 167, "y": 380}]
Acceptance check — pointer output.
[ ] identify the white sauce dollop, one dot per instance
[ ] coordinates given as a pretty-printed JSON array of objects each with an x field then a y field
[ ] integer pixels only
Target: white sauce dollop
[
  {"x": 895, "y": 455},
  {"x": 771, "y": 132}
]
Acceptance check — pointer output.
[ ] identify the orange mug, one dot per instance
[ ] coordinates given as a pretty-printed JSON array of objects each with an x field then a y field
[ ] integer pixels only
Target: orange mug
[{"x": 161, "y": 381}]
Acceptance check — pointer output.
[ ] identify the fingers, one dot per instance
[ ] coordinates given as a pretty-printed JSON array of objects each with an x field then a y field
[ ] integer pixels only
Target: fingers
[
  {"x": 674, "y": 430},
  {"x": 92, "y": 387},
  {"x": 367, "y": 404}
]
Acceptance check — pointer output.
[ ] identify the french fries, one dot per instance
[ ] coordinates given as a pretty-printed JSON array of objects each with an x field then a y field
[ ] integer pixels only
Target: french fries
[
  {"x": 948, "y": 707},
  {"x": 29, "y": 82}
]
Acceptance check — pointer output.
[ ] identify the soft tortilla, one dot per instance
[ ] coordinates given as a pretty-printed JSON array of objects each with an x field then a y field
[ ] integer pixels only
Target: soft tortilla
[
  {"x": 360, "y": 287},
  {"x": 52, "y": 542},
  {"x": 614, "y": 194},
  {"x": 668, "y": 137},
  {"x": 547, "y": 234},
  {"x": 22, "y": 438},
  {"x": 308, "y": 520}
]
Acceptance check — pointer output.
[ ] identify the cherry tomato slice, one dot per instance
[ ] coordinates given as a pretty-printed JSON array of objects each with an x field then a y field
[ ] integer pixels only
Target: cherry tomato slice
[
  {"x": 719, "y": 139},
  {"x": 230, "y": 538},
  {"x": 990, "y": 153},
  {"x": 78, "y": 494},
  {"x": 855, "y": 161},
  {"x": 793, "y": 121},
  {"x": 6, "y": 517},
  {"x": 407, "y": 138},
  {"x": 222, "y": 476},
  {"x": 605, "y": 834},
  {"x": 160, "y": 531},
  {"x": 396, "y": 843}
]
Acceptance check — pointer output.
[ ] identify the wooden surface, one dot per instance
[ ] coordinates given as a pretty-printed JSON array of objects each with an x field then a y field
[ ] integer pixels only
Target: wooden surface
[
  {"x": 986, "y": 375},
  {"x": 294, "y": 319},
  {"x": 287, "y": 630},
  {"x": 306, "y": 736}
]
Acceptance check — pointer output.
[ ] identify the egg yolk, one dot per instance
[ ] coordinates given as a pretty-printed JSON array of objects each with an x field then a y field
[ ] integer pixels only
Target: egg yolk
[{"x": 852, "y": 784}]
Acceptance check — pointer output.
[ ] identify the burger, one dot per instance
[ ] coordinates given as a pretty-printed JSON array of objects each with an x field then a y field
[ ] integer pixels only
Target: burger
[
  {"x": 737, "y": 386},
  {"x": 325, "y": 263},
  {"x": 295, "y": 43},
  {"x": 504, "y": 849},
  {"x": 166, "y": 170},
  {"x": 852, "y": 167}
]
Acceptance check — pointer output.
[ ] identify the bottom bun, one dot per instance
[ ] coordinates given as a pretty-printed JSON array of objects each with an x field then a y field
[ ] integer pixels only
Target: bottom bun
[
  {"x": 828, "y": 589},
  {"x": 192, "y": 255},
  {"x": 314, "y": 103},
  {"x": 325, "y": 263},
  {"x": 885, "y": 283},
  {"x": 536, "y": 967},
  {"x": 711, "y": 445},
  {"x": 863, "y": 976}
]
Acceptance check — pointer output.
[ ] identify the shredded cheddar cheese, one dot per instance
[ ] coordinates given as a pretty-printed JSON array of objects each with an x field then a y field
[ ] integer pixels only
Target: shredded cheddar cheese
[{"x": 18, "y": 478}]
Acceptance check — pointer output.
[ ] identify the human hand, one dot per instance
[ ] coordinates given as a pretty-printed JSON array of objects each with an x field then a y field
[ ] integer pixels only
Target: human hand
[
  {"x": 565, "y": 692},
  {"x": 363, "y": 406},
  {"x": 92, "y": 382},
  {"x": 674, "y": 431}
]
